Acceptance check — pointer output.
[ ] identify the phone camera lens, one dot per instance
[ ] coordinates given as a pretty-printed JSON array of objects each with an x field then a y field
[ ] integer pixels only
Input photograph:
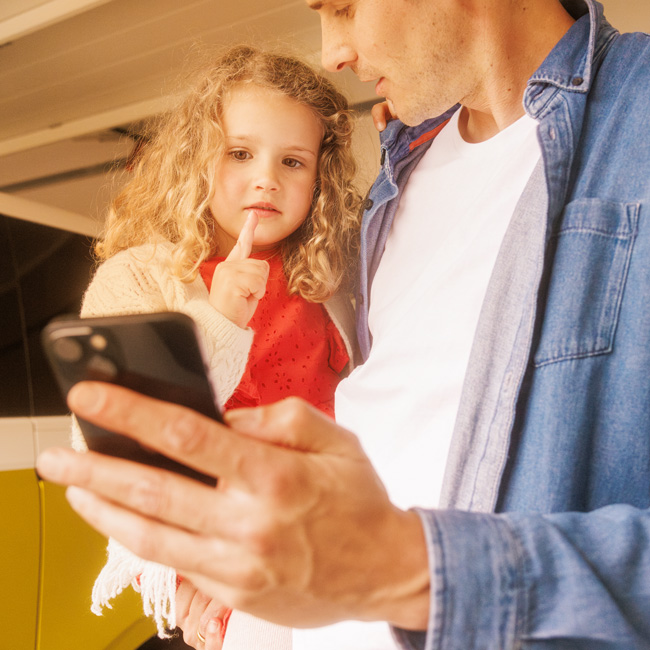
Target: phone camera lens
[
  {"x": 102, "y": 368},
  {"x": 67, "y": 349},
  {"x": 98, "y": 342}
]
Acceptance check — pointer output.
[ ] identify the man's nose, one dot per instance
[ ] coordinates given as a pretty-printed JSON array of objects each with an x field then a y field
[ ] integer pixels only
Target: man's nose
[{"x": 337, "y": 51}]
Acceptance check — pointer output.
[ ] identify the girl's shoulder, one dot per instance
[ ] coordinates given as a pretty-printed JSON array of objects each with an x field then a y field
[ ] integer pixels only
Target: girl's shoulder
[
  {"x": 144, "y": 261},
  {"x": 133, "y": 280},
  {"x": 143, "y": 256}
]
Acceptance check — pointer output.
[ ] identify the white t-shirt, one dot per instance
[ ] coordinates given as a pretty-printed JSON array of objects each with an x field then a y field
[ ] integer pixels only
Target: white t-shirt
[{"x": 424, "y": 306}]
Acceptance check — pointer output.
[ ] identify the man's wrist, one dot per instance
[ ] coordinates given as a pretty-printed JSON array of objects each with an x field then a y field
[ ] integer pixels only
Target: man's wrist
[{"x": 408, "y": 603}]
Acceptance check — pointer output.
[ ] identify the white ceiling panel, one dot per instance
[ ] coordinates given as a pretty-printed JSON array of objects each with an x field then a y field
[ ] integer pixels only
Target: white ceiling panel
[
  {"x": 124, "y": 52},
  {"x": 71, "y": 70}
]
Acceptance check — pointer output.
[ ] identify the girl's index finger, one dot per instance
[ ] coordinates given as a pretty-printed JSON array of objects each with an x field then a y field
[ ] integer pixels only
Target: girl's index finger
[{"x": 242, "y": 249}]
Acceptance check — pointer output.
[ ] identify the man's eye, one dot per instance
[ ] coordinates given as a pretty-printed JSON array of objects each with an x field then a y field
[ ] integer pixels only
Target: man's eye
[
  {"x": 344, "y": 12},
  {"x": 239, "y": 155}
]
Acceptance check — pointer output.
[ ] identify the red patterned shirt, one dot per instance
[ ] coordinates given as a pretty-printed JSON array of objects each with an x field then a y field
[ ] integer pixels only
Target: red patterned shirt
[{"x": 297, "y": 349}]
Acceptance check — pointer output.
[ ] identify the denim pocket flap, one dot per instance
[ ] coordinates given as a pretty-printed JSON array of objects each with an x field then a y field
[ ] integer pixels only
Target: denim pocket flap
[{"x": 592, "y": 251}]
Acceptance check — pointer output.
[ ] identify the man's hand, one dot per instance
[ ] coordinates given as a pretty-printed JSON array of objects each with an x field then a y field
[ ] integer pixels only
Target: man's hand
[
  {"x": 239, "y": 282},
  {"x": 299, "y": 530}
]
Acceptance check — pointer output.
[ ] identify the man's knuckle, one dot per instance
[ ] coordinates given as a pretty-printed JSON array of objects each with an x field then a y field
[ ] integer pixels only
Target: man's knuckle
[
  {"x": 248, "y": 581},
  {"x": 261, "y": 544},
  {"x": 143, "y": 542},
  {"x": 295, "y": 412},
  {"x": 185, "y": 433},
  {"x": 205, "y": 519},
  {"x": 281, "y": 485},
  {"x": 257, "y": 535},
  {"x": 148, "y": 496}
]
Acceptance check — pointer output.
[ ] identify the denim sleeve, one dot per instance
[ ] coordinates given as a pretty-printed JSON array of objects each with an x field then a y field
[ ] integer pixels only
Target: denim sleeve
[{"x": 548, "y": 582}]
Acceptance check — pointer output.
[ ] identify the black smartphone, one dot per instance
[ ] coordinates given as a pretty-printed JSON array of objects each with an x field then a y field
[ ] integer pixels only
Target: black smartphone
[{"x": 158, "y": 355}]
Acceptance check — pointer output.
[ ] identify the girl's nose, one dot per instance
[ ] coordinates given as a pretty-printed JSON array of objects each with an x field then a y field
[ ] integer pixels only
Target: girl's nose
[{"x": 267, "y": 179}]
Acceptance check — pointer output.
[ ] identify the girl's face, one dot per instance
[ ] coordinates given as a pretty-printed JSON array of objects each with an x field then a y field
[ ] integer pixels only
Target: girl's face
[{"x": 270, "y": 162}]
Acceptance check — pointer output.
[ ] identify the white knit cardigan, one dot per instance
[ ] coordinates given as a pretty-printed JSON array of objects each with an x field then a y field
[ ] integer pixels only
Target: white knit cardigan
[{"x": 139, "y": 280}]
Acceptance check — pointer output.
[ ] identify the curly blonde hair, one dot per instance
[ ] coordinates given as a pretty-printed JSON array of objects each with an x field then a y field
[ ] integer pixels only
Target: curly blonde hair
[{"x": 171, "y": 187}]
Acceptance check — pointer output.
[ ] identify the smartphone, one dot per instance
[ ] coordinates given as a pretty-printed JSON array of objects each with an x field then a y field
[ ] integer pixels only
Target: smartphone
[{"x": 158, "y": 355}]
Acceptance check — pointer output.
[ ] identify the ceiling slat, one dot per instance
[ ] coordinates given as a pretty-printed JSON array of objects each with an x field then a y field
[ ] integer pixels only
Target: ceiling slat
[{"x": 41, "y": 16}]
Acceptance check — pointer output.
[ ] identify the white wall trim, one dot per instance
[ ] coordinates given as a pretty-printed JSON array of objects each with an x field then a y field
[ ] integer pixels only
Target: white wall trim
[{"x": 47, "y": 215}]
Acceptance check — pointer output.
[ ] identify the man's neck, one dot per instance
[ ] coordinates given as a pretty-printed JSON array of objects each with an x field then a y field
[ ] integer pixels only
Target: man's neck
[{"x": 514, "y": 44}]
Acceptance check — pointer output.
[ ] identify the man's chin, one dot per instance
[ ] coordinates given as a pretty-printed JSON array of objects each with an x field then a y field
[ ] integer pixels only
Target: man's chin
[
  {"x": 412, "y": 118},
  {"x": 408, "y": 114},
  {"x": 403, "y": 115}
]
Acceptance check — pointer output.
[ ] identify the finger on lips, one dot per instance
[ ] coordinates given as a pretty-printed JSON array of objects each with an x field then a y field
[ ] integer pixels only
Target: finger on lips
[{"x": 242, "y": 249}]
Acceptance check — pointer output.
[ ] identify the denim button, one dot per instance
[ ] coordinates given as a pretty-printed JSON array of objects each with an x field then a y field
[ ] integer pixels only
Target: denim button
[
  {"x": 368, "y": 203},
  {"x": 577, "y": 81}
]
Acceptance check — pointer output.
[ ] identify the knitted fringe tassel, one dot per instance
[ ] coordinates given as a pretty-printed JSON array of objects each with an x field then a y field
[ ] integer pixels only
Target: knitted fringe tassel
[{"x": 155, "y": 582}]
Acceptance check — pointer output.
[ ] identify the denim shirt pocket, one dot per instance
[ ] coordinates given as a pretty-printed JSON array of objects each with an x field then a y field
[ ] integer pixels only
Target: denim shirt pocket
[{"x": 592, "y": 252}]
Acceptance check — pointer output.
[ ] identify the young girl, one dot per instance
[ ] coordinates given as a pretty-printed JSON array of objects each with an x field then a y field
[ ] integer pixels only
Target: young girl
[{"x": 242, "y": 213}]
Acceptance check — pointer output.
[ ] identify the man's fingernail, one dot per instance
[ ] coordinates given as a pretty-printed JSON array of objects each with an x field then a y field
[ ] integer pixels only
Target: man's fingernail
[
  {"x": 85, "y": 397},
  {"x": 76, "y": 497},
  {"x": 48, "y": 466}
]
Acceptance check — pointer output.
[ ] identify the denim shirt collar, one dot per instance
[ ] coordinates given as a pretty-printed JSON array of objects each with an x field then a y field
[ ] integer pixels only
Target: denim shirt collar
[
  {"x": 569, "y": 66},
  {"x": 399, "y": 140}
]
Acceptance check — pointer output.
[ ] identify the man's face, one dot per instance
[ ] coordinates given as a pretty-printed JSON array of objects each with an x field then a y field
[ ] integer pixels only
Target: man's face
[{"x": 416, "y": 50}]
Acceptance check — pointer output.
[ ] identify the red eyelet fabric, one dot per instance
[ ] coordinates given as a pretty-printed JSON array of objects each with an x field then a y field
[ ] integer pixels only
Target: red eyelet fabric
[{"x": 297, "y": 350}]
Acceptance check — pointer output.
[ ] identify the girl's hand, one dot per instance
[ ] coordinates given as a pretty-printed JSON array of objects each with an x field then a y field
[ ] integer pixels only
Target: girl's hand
[
  {"x": 200, "y": 618},
  {"x": 239, "y": 283},
  {"x": 381, "y": 115}
]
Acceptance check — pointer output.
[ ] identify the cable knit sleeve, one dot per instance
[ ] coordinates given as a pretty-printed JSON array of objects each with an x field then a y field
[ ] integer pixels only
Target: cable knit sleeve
[{"x": 226, "y": 345}]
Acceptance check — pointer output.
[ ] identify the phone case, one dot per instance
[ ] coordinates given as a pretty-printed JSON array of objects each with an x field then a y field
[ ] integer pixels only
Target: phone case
[{"x": 158, "y": 355}]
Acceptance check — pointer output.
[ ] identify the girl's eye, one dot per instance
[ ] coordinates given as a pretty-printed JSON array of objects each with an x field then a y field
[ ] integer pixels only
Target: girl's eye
[
  {"x": 292, "y": 162},
  {"x": 239, "y": 155}
]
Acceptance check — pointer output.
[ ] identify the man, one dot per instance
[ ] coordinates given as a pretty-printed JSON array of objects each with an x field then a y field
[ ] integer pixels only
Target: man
[{"x": 551, "y": 430}]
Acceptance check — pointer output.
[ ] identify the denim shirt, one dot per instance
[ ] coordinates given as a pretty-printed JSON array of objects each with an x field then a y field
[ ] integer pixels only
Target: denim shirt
[{"x": 544, "y": 539}]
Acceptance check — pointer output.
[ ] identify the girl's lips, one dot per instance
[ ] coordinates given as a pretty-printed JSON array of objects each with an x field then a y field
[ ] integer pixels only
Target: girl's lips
[{"x": 264, "y": 211}]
